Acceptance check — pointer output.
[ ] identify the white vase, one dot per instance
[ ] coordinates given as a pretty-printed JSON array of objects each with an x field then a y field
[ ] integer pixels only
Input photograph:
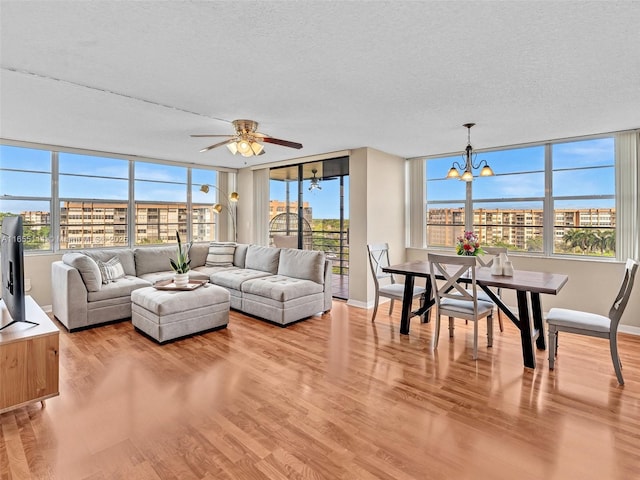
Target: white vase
[
  {"x": 507, "y": 270},
  {"x": 496, "y": 266},
  {"x": 181, "y": 279}
]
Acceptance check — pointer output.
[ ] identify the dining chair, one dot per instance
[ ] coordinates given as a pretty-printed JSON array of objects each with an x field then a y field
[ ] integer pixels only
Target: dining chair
[
  {"x": 487, "y": 262},
  {"x": 385, "y": 284},
  {"x": 457, "y": 300},
  {"x": 592, "y": 324}
]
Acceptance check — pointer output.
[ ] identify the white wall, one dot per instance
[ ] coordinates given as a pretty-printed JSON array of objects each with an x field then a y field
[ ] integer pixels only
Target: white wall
[
  {"x": 592, "y": 284},
  {"x": 376, "y": 206},
  {"x": 37, "y": 269}
]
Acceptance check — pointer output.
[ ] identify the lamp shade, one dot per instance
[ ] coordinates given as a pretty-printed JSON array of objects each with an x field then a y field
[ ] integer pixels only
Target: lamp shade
[
  {"x": 234, "y": 197},
  {"x": 486, "y": 171},
  {"x": 217, "y": 207},
  {"x": 467, "y": 176},
  {"x": 453, "y": 173}
]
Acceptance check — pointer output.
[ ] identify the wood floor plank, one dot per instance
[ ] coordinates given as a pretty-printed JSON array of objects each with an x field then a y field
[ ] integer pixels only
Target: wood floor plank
[{"x": 332, "y": 397}]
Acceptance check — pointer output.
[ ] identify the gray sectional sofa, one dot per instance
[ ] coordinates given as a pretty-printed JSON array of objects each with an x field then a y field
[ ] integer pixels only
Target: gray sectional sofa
[{"x": 281, "y": 285}]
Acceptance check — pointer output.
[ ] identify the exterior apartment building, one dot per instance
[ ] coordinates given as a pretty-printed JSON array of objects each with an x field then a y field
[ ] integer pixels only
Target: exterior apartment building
[
  {"x": 521, "y": 228},
  {"x": 100, "y": 224}
]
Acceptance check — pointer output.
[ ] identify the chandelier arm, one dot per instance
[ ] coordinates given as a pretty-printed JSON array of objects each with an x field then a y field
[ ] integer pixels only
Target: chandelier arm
[{"x": 458, "y": 165}]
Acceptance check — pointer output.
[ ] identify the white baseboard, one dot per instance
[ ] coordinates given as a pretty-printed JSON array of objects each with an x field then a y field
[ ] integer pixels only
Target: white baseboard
[
  {"x": 630, "y": 329},
  {"x": 359, "y": 304}
]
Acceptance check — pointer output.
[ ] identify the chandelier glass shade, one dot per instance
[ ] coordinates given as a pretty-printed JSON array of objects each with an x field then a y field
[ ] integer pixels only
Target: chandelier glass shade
[{"x": 469, "y": 160}]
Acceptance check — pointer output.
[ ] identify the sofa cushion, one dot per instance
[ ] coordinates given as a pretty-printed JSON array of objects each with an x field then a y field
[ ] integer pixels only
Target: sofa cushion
[
  {"x": 156, "y": 277},
  {"x": 88, "y": 268},
  {"x": 220, "y": 254},
  {"x": 124, "y": 255},
  {"x": 240, "y": 255},
  {"x": 281, "y": 288},
  {"x": 233, "y": 278},
  {"x": 262, "y": 258},
  {"x": 121, "y": 287},
  {"x": 154, "y": 259},
  {"x": 198, "y": 254},
  {"x": 110, "y": 270},
  {"x": 304, "y": 264}
]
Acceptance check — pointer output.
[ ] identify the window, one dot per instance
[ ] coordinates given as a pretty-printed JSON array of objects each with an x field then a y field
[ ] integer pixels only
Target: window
[
  {"x": 203, "y": 218},
  {"x": 84, "y": 200},
  {"x": 25, "y": 183},
  {"x": 94, "y": 206},
  {"x": 445, "y": 204},
  {"x": 160, "y": 203},
  {"x": 508, "y": 207},
  {"x": 584, "y": 197},
  {"x": 554, "y": 198}
]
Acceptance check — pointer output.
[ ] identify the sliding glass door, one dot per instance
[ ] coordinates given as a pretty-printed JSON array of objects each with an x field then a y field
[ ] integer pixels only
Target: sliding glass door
[{"x": 309, "y": 210}]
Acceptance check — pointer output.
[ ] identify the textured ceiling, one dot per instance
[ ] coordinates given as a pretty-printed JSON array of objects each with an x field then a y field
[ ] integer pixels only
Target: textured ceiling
[{"x": 139, "y": 77}]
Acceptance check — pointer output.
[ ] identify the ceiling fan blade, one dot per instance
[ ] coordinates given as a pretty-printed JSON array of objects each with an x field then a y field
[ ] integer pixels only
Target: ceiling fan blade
[
  {"x": 211, "y": 135},
  {"x": 211, "y": 147},
  {"x": 284, "y": 143}
]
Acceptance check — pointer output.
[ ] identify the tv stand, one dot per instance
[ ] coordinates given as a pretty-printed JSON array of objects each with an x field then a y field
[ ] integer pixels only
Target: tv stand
[
  {"x": 29, "y": 358},
  {"x": 12, "y": 322}
]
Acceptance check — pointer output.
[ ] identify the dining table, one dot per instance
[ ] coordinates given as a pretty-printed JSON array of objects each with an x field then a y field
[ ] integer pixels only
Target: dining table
[{"x": 528, "y": 286}]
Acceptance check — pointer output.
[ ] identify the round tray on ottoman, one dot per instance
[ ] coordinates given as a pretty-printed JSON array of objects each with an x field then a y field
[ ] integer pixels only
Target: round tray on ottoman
[{"x": 166, "y": 315}]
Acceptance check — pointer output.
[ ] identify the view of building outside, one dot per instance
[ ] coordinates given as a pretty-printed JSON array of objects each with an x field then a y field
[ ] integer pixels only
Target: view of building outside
[{"x": 577, "y": 231}]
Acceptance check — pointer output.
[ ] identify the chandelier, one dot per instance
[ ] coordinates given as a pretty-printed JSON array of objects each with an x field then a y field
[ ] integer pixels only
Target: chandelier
[{"x": 469, "y": 162}]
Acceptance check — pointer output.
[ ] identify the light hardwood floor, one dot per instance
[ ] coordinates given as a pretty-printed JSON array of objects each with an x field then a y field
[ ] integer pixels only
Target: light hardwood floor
[{"x": 334, "y": 397}]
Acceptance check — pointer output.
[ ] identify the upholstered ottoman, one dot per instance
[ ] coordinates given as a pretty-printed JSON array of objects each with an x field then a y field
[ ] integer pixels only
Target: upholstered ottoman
[{"x": 167, "y": 315}]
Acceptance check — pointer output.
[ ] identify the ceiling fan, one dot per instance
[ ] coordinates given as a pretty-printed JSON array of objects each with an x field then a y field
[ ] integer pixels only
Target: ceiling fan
[{"x": 246, "y": 140}]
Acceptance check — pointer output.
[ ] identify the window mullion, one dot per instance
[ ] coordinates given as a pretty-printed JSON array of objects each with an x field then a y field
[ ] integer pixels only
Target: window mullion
[{"x": 548, "y": 207}]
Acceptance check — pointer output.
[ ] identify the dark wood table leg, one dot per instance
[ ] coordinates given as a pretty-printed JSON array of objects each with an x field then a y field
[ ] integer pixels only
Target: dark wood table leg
[
  {"x": 406, "y": 304},
  {"x": 428, "y": 300},
  {"x": 538, "y": 321},
  {"x": 525, "y": 330}
]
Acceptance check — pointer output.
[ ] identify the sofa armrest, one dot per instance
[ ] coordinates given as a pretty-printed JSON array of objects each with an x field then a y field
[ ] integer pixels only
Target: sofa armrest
[
  {"x": 69, "y": 296},
  {"x": 328, "y": 288}
]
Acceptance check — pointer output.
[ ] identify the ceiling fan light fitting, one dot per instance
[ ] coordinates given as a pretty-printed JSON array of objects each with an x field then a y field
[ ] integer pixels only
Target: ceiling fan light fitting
[
  {"x": 256, "y": 148},
  {"x": 233, "y": 147}
]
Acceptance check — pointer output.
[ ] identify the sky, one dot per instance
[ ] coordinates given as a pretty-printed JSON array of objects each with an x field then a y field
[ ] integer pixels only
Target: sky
[{"x": 519, "y": 175}]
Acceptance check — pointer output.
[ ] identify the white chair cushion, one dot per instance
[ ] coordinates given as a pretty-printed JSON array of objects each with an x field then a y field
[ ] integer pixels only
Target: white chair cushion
[
  {"x": 465, "y": 306},
  {"x": 574, "y": 318},
  {"x": 397, "y": 290}
]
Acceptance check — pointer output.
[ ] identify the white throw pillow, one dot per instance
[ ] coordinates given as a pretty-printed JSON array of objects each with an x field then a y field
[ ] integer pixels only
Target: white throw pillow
[
  {"x": 111, "y": 270},
  {"x": 220, "y": 254}
]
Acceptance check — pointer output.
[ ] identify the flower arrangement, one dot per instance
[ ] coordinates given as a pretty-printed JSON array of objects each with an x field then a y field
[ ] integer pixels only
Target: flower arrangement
[
  {"x": 468, "y": 244},
  {"x": 182, "y": 262}
]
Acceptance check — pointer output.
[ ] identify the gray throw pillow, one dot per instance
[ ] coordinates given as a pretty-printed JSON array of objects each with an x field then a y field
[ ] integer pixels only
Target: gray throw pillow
[
  {"x": 88, "y": 269},
  {"x": 303, "y": 264}
]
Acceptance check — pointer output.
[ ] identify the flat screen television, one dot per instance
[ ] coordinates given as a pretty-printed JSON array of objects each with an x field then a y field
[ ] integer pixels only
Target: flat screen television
[{"x": 12, "y": 264}]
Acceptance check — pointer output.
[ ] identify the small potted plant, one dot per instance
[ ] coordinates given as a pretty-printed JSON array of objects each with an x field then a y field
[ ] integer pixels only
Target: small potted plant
[{"x": 181, "y": 265}]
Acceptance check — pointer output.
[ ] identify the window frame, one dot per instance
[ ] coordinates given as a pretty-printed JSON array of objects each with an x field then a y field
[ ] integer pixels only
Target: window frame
[
  {"x": 548, "y": 200},
  {"x": 54, "y": 200}
]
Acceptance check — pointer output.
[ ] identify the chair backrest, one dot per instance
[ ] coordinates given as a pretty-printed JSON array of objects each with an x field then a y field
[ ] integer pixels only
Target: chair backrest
[
  {"x": 378, "y": 259},
  {"x": 619, "y": 304},
  {"x": 452, "y": 288},
  {"x": 285, "y": 241},
  {"x": 491, "y": 252}
]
